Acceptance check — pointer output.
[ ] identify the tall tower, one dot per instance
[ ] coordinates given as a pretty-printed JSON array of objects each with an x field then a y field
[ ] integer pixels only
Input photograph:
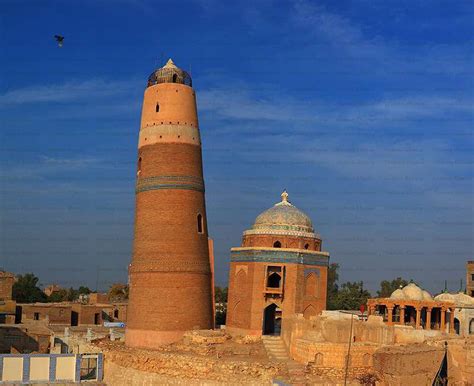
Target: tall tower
[{"x": 170, "y": 280}]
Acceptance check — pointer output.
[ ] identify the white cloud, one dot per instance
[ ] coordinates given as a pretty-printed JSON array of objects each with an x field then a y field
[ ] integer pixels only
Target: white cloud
[{"x": 74, "y": 90}]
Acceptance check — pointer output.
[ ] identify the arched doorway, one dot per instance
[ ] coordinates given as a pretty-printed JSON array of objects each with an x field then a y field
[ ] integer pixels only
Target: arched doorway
[
  {"x": 271, "y": 320},
  {"x": 471, "y": 327},
  {"x": 456, "y": 325}
]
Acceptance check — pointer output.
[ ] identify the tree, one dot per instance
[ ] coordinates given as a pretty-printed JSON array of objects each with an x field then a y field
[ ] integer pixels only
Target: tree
[
  {"x": 333, "y": 288},
  {"x": 26, "y": 290},
  {"x": 221, "y": 294},
  {"x": 84, "y": 290},
  {"x": 351, "y": 296},
  {"x": 58, "y": 296},
  {"x": 221, "y": 304},
  {"x": 118, "y": 292},
  {"x": 387, "y": 287}
]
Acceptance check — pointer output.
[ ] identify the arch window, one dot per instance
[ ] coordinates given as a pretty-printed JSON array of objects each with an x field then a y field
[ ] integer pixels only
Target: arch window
[
  {"x": 276, "y": 244},
  {"x": 200, "y": 224},
  {"x": 175, "y": 78},
  {"x": 319, "y": 359},
  {"x": 157, "y": 107},
  {"x": 273, "y": 280},
  {"x": 139, "y": 166},
  {"x": 306, "y": 246},
  {"x": 116, "y": 313}
]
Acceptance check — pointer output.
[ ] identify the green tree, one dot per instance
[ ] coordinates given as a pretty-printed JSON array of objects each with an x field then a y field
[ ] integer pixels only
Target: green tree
[
  {"x": 333, "y": 277},
  {"x": 58, "y": 296},
  {"x": 26, "y": 290},
  {"x": 220, "y": 294},
  {"x": 84, "y": 290},
  {"x": 387, "y": 287},
  {"x": 351, "y": 296}
]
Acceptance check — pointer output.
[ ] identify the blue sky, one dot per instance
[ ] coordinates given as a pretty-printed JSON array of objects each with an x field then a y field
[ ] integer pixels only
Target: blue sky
[{"x": 362, "y": 110}]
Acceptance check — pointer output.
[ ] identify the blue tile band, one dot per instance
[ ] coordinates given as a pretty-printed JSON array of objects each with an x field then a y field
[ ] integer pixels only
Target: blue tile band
[
  {"x": 170, "y": 182},
  {"x": 288, "y": 257}
]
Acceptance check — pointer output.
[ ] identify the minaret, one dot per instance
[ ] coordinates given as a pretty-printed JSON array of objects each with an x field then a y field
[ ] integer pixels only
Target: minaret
[{"x": 170, "y": 283}]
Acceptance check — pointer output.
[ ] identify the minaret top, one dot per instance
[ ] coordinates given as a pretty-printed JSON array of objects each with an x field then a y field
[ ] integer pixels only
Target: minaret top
[
  {"x": 170, "y": 64},
  {"x": 169, "y": 73}
]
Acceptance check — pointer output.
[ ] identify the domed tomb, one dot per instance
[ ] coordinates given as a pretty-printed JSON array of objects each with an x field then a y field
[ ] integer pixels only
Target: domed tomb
[{"x": 283, "y": 226}]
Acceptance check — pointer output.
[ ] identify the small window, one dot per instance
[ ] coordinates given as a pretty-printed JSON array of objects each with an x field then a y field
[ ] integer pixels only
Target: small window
[
  {"x": 116, "y": 313},
  {"x": 36, "y": 316},
  {"x": 139, "y": 166},
  {"x": 276, "y": 244},
  {"x": 175, "y": 78},
  {"x": 273, "y": 280},
  {"x": 157, "y": 107},
  {"x": 306, "y": 246},
  {"x": 199, "y": 223}
]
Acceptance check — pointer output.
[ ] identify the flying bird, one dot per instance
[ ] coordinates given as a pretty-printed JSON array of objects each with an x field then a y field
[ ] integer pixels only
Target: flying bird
[{"x": 59, "y": 39}]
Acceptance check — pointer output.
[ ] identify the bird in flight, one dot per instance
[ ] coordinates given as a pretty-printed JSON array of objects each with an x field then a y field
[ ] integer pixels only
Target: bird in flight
[{"x": 59, "y": 39}]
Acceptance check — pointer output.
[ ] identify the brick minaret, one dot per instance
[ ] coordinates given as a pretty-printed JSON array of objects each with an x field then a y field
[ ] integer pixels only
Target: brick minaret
[{"x": 170, "y": 284}]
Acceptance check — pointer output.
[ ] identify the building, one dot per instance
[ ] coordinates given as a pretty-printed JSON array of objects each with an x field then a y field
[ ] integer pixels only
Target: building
[
  {"x": 72, "y": 314},
  {"x": 463, "y": 312},
  {"x": 413, "y": 306},
  {"x": 7, "y": 280},
  {"x": 470, "y": 278},
  {"x": 278, "y": 271},
  {"x": 7, "y": 305},
  {"x": 170, "y": 276},
  {"x": 25, "y": 338}
]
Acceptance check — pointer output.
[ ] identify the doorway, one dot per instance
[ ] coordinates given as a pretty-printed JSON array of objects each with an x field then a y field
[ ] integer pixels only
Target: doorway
[
  {"x": 74, "y": 318},
  {"x": 271, "y": 320}
]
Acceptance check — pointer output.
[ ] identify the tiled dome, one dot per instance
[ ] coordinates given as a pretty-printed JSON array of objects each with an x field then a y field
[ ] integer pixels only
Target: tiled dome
[{"x": 284, "y": 216}]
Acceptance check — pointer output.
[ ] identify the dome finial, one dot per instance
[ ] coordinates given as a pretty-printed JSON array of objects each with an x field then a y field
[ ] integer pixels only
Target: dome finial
[
  {"x": 284, "y": 196},
  {"x": 170, "y": 64}
]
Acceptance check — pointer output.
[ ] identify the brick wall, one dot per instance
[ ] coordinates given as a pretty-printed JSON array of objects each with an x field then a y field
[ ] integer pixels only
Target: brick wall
[{"x": 6, "y": 283}]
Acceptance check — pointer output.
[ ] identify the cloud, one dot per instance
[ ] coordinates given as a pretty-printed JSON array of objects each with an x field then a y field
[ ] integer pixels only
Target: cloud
[
  {"x": 374, "y": 51},
  {"x": 240, "y": 103},
  {"x": 66, "y": 92}
]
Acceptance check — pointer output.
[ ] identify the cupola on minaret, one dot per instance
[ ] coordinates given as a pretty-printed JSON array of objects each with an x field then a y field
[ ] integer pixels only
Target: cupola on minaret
[{"x": 170, "y": 284}]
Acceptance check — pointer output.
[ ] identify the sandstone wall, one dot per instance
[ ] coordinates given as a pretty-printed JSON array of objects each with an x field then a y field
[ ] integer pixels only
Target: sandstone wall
[
  {"x": 139, "y": 367},
  {"x": 408, "y": 365}
]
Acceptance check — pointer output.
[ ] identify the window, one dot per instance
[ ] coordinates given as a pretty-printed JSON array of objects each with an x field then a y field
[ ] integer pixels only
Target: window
[
  {"x": 116, "y": 313},
  {"x": 200, "y": 223},
  {"x": 276, "y": 244},
  {"x": 306, "y": 246},
  {"x": 36, "y": 316},
  {"x": 274, "y": 280},
  {"x": 96, "y": 318},
  {"x": 472, "y": 276},
  {"x": 139, "y": 166},
  {"x": 175, "y": 77},
  {"x": 157, "y": 107}
]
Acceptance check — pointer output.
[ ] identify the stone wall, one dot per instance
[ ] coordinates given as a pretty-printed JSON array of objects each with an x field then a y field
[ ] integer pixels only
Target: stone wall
[
  {"x": 416, "y": 364},
  {"x": 140, "y": 367}
]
